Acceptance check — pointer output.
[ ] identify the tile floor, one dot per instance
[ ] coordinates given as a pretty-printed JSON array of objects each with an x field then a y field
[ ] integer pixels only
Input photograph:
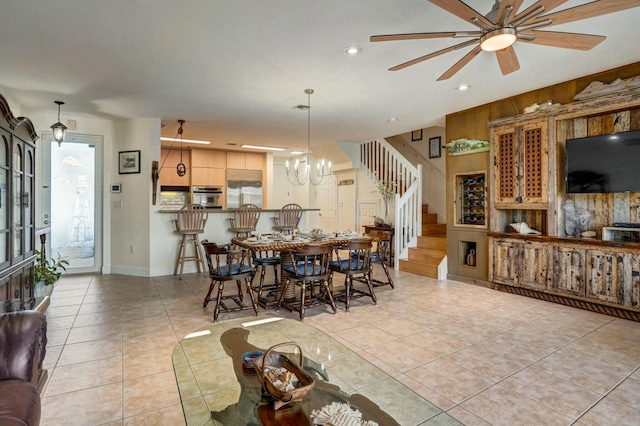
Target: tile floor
[{"x": 485, "y": 357}]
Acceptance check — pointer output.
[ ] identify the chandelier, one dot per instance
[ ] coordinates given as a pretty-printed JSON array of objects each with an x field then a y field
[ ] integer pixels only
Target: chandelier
[{"x": 302, "y": 172}]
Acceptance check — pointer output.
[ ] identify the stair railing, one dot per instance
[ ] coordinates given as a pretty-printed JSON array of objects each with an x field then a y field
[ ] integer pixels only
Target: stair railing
[{"x": 382, "y": 161}]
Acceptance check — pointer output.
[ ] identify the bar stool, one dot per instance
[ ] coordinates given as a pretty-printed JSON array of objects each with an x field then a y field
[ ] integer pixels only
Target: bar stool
[
  {"x": 228, "y": 265},
  {"x": 307, "y": 267},
  {"x": 288, "y": 218},
  {"x": 190, "y": 223},
  {"x": 356, "y": 263},
  {"x": 245, "y": 219}
]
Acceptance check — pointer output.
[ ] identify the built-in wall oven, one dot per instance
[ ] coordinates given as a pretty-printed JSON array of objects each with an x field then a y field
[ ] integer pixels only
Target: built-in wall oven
[{"x": 208, "y": 196}]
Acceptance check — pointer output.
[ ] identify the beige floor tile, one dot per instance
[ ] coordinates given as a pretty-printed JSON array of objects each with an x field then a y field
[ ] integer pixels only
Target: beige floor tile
[
  {"x": 150, "y": 393},
  {"x": 421, "y": 313},
  {"x": 65, "y": 300},
  {"x": 628, "y": 392},
  {"x": 559, "y": 395},
  {"x": 171, "y": 415},
  {"x": 485, "y": 363},
  {"x": 93, "y": 406},
  {"x": 87, "y": 351},
  {"x": 399, "y": 354},
  {"x": 95, "y": 332},
  {"x": 84, "y": 375},
  {"x": 500, "y": 406},
  {"x": 156, "y": 360},
  {"x": 449, "y": 380},
  {"x": 611, "y": 412}
]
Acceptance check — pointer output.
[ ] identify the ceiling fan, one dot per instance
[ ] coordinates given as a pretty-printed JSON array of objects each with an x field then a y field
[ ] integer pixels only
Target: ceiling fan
[{"x": 504, "y": 25}]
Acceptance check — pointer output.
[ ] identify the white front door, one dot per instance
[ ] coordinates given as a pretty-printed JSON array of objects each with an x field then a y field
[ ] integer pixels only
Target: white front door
[
  {"x": 75, "y": 201},
  {"x": 327, "y": 204}
]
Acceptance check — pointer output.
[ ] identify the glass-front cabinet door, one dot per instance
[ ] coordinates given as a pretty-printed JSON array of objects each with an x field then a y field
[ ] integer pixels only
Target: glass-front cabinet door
[{"x": 5, "y": 168}]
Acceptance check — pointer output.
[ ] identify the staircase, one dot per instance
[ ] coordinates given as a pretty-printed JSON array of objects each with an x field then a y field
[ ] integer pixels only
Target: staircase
[{"x": 425, "y": 258}]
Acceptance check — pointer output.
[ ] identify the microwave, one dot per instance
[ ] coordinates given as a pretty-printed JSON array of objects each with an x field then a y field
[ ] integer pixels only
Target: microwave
[{"x": 208, "y": 196}]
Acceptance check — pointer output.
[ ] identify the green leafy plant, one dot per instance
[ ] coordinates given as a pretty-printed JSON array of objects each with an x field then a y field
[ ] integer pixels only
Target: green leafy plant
[{"x": 49, "y": 270}]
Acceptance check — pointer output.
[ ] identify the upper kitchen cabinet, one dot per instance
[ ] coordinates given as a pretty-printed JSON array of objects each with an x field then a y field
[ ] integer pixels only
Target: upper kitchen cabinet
[
  {"x": 245, "y": 160},
  {"x": 208, "y": 158},
  {"x": 208, "y": 167},
  {"x": 520, "y": 165},
  {"x": 169, "y": 160}
]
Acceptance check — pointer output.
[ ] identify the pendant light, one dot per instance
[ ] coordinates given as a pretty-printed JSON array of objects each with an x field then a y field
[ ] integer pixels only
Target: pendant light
[
  {"x": 181, "y": 169},
  {"x": 303, "y": 173},
  {"x": 58, "y": 128}
]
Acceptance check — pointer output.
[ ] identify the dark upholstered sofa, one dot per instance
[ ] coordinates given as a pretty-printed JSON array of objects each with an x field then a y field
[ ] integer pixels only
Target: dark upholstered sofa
[{"x": 23, "y": 340}]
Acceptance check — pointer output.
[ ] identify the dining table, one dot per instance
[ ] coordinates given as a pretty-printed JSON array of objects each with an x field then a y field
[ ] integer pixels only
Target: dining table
[{"x": 289, "y": 243}]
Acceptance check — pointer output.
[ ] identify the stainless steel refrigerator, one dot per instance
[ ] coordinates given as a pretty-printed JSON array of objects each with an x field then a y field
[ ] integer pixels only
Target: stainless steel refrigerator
[{"x": 244, "y": 187}]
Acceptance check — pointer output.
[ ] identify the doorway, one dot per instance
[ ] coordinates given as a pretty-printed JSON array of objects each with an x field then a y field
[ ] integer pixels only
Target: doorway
[{"x": 75, "y": 206}]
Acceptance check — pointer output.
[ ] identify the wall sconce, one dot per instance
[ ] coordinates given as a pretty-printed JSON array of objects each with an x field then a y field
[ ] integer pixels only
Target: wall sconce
[{"x": 58, "y": 128}]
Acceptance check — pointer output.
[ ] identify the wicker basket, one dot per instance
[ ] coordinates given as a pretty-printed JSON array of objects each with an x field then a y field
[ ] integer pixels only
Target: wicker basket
[{"x": 277, "y": 360}]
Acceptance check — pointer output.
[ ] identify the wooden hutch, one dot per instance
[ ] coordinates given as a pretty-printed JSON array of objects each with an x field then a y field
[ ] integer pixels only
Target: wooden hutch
[{"x": 17, "y": 210}]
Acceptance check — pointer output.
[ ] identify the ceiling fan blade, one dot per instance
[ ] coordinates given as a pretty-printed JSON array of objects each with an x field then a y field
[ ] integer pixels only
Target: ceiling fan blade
[
  {"x": 420, "y": 36},
  {"x": 547, "y": 4},
  {"x": 461, "y": 63},
  {"x": 462, "y": 11},
  {"x": 504, "y": 4},
  {"x": 589, "y": 10},
  {"x": 433, "y": 55},
  {"x": 566, "y": 40},
  {"x": 507, "y": 60}
]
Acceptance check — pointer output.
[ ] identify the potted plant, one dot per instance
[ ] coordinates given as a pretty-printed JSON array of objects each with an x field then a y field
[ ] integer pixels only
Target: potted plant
[{"x": 48, "y": 271}]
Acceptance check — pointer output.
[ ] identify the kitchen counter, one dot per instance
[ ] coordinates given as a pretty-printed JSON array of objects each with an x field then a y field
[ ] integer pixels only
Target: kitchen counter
[{"x": 165, "y": 247}]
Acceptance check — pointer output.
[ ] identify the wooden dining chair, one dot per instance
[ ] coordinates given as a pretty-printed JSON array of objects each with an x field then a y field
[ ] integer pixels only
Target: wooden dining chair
[
  {"x": 308, "y": 268},
  {"x": 380, "y": 254},
  {"x": 245, "y": 220},
  {"x": 228, "y": 265},
  {"x": 190, "y": 224},
  {"x": 288, "y": 219},
  {"x": 354, "y": 261}
]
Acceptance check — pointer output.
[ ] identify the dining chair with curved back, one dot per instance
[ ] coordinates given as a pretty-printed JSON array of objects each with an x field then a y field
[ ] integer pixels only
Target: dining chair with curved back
[
  {"x": 225, "y": 265},
  {"x": 381, "y": 254},
  {"x": 288, "y": 218},
  {"x": 308, "y": 267},
  {"x": 190, "y": 224},
  {"x": 354, "y": 261},
  {"x": 245, "y": 220}
]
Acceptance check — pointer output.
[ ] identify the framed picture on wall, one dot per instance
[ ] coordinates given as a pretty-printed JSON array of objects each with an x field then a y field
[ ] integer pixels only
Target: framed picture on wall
[
  {"x": 128, "y": 162},
  {"x": 416, "y": 135},
  {"x": 434, "y": 147}
]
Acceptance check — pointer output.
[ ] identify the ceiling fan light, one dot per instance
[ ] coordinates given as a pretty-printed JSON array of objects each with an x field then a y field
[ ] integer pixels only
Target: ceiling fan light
[{"x": 498, "y": 39}]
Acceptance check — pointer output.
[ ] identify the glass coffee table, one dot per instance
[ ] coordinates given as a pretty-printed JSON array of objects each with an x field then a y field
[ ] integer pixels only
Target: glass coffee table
[{"x": 215, "y": 390}]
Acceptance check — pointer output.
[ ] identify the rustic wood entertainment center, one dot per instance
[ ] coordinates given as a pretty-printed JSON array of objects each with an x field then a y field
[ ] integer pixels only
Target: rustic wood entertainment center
[{"x": 528, "y": 173}]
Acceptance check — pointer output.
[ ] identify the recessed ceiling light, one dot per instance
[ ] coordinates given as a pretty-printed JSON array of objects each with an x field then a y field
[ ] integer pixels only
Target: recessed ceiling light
[
  {"x": 392, "y": 119},
  {"x": 352, "y": 50},
  {"x": 163, "y": 138},
  {"x": 266, "y": 148},
  {"x": 463, "y": 87},
  {"x": 296, "y": 152}
]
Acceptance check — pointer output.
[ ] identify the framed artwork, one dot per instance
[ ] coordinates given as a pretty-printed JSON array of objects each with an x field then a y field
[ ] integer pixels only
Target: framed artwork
[
  {"x": 128, "y": 162},
  {"x": 434, "y": 147},
  {"x": 416, "y": 135}
]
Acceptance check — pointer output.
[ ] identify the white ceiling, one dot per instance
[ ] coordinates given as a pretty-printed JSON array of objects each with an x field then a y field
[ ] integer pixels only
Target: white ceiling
[{"x": 235, "y": 69}]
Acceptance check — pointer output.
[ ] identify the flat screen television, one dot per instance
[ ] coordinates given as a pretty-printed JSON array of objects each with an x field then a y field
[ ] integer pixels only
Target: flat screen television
[{"x": 604, "y": 163}]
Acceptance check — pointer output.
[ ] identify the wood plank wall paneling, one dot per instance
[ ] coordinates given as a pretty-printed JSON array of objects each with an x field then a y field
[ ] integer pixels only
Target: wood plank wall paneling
[
  {"x": 472, "y": 123},
  {"x": 606, "y": 208}
]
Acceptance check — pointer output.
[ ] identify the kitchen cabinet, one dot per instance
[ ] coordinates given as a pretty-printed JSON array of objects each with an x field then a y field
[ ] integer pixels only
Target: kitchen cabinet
[
  {"x": 520, "y": 263},
  {"x": 568, "y": 276},
  {"x": 245, "y": 160},
  {"x": 208, "y": 167},
  {"x": 169, "y": 160},
  {"x": 520, "y": 165}
]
